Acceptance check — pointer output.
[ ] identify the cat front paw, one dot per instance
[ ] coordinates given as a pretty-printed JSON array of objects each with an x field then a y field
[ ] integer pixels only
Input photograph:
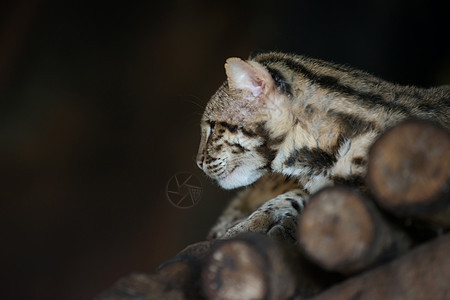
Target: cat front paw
[{"x": 276, "y": 218}]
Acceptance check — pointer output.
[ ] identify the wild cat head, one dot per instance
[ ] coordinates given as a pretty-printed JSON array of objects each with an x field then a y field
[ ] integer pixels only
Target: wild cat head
[{"x": 237, "y": 143}]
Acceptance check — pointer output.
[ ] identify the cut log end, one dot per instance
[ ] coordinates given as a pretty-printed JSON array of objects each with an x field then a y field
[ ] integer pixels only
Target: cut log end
[
  {"x": 423, "y": 273},
  {"x": 410, "y": 164},
  {"x": 235, "y": 270},
  {"x": 336, "y": 228}
]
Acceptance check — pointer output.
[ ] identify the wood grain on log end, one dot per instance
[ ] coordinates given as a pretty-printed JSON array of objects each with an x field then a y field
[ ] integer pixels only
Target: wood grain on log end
[
  {"x": 235, "y": 270},
  {"x": 409, "y": 170},
  {"x": 336, "y": 228},
  {"x": 253, "y": 266},
  {"x": 423, "y": 273},
  {"x": 342, "y": 231}
]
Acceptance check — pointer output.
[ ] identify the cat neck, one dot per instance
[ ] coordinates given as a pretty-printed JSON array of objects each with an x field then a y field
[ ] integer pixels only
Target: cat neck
[{"x": 316, "y": 134}]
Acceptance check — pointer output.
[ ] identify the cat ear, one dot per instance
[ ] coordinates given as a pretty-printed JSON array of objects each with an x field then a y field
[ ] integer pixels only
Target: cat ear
[{"x": 242, "y": 75}]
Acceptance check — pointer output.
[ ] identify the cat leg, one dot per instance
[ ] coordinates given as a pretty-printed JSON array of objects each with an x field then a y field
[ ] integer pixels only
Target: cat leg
[
  {"x": 276, "y": 218},
  {"x": 249, "y": 200}
]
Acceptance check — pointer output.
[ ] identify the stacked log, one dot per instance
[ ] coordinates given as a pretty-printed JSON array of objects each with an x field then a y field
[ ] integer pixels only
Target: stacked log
[
  {"x": 175, "y": 279},
  {"x": 387, "y": 242},
  {"x": 342, "y": 231},
  {"x": 409, "y": 172},
  {"x": 423, "y": 273},
  {"x": 252, "y": 266}
]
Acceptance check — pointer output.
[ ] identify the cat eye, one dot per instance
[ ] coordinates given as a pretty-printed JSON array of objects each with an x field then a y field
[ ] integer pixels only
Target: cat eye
[{"x": 212, "y": 124}]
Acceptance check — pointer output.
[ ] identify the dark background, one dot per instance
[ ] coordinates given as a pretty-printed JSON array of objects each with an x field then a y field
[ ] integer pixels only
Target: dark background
[{"x": 100, "y": 104}]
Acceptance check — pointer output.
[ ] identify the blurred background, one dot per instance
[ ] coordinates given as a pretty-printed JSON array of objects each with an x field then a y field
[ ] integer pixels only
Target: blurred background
[{"x": 100, "y": 105}]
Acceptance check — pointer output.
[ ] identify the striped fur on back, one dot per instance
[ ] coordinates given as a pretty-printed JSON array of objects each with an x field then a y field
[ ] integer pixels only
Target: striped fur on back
[{"x": 305, "y": 118}]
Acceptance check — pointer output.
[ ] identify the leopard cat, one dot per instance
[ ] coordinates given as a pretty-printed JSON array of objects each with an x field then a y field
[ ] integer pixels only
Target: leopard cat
[{"x": 301, "y": 124}]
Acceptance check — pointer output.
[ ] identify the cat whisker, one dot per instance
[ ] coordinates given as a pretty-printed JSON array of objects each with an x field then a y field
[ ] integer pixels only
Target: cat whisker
[{"x": 195, "y": 103}]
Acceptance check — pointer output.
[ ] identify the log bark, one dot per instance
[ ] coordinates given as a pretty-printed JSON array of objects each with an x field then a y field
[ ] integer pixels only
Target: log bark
[
  {"x": 252, "y": 266},
  {"x": 141, "y": 287},
  {"x": 423, "y": 273},
  {"x": 409, "y": 172},
  {"x": 178, "y": 278},
  {"x": 342, "y": 231}
]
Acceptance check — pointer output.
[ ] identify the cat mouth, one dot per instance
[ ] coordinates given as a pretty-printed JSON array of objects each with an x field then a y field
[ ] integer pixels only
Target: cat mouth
[
  {"x": 232, "y": 170},
  {"x": 225, "y": 173},
  {"x": 238, "y": 176},
  {"x": 220, "y": 175}
]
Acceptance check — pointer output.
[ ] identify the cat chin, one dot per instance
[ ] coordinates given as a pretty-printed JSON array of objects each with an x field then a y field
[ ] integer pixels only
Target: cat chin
[{"x": 240, "y": 177}]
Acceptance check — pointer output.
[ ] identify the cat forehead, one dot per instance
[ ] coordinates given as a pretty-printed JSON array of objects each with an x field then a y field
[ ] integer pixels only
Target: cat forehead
[{"x": 218, "y": 103}]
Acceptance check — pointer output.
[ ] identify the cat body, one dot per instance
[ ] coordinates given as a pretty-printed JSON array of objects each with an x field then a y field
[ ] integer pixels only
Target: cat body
[{"x": 307, "y": 119}]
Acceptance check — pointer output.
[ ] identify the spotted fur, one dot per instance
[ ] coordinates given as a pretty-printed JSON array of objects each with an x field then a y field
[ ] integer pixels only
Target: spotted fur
[{"x": 304, "y": 118}]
